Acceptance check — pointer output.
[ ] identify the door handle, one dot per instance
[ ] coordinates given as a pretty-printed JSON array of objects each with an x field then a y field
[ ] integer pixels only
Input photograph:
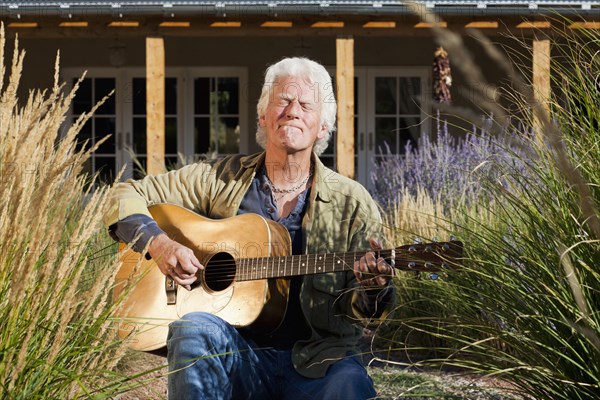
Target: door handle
[{"x": 361, "y": 141}]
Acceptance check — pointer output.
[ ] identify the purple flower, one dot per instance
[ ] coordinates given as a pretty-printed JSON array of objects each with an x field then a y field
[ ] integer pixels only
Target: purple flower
[{"x": 453, "y": 170}]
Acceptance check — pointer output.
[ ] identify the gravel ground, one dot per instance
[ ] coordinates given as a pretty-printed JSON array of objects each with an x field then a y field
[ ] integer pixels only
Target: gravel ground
[
  {"x": 154, "y": 384},
  {"x": 392, "y": 382}
]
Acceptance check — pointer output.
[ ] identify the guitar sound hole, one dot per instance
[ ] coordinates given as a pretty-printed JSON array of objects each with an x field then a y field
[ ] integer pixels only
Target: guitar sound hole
[{"x": 219, "y": 273}]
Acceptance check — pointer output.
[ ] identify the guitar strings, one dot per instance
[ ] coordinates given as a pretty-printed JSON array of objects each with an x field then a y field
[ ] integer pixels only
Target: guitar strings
[
  {"x": 223, "y": 270},
  {"x": 227, "y": 270},
  {"x": 218, "y": 271}
]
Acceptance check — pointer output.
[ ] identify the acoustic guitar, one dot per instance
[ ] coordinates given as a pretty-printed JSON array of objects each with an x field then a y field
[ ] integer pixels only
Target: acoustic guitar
[{"x": 246, "y": 277}]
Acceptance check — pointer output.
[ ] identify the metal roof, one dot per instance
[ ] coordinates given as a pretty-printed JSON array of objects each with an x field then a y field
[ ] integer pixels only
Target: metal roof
[
  {"x": 175, "y": 3},
  {"x": 295, "y": 7}
]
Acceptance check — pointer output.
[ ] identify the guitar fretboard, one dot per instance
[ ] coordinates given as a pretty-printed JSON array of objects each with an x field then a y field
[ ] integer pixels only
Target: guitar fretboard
[{"x": 304, "y": 264}]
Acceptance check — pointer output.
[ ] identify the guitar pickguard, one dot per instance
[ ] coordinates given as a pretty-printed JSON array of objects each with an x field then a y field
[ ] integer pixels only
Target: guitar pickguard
[{"x": 198, "y": 299}]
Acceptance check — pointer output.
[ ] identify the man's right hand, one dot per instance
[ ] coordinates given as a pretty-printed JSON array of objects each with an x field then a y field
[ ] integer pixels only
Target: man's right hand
[{"x": 175, "y": 260}]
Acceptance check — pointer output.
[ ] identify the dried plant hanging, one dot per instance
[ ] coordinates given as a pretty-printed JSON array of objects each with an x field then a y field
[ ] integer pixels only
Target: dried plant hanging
[{"x": 442, "y": 77}]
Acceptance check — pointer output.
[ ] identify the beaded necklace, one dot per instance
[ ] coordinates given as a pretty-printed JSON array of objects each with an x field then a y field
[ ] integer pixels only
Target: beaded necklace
[{"x": 294, "y": 189}]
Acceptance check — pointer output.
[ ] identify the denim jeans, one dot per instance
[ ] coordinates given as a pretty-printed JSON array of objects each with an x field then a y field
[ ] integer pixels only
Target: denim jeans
[{"x": 209, "y": 359}]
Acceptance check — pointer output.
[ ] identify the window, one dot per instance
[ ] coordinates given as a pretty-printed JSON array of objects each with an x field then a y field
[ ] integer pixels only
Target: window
[
  {"x": 138, "y": 145},
  {"x": 216, "y": 116},
  {"x": 204, "y": 116},
  {"x": 397, "y": 111},
  {"x": 102, "y": 125}
]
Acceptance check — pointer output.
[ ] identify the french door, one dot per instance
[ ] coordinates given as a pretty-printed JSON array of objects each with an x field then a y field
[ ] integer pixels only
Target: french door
[
  {"x": 103, "y": 125},
  {"x": 390, "y": 109},
  {"x": 204, "y": 117}
]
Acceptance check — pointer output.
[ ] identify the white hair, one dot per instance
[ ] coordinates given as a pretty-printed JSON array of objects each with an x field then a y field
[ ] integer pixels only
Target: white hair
[{"x": 315, "y": 74}]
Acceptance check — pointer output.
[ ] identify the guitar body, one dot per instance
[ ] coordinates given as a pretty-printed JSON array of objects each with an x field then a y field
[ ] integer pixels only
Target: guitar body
[{"x": 152, "y": 301}]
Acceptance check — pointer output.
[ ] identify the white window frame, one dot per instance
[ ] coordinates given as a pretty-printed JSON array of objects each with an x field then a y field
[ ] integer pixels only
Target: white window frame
[
  {"x": 246, "y": 137},
  {"x": 185, "y": 110},
  {"x": 366, "y": 111}
]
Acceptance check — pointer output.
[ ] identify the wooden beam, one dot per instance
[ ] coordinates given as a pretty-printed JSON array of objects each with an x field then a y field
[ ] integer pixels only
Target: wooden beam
[
  {"x": 345, "y": 111},
  {"x": 155, "y": 105},
  {"x": 534, "y": 25},
  {"x": 541, "y": 78}
]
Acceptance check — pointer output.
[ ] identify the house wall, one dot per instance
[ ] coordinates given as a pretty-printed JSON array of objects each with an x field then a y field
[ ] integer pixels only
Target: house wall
[{"x": 255, "y": 53}]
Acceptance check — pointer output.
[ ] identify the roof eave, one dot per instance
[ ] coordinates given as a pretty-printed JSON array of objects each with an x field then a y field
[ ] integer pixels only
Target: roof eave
[{"x": 287, "y": 10}]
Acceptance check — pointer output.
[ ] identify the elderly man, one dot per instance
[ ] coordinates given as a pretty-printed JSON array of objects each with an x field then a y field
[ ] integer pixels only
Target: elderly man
[{"x": 312, "y": 354}]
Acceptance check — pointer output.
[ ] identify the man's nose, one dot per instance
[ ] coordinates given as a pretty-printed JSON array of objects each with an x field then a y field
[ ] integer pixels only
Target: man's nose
[{"x": 293, "y": 109}]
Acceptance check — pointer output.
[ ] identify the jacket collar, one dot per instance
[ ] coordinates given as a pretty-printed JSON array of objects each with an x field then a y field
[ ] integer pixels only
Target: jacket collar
[
  {"x": 253, "y": 160},
  {"x": 321, "y": 180}
]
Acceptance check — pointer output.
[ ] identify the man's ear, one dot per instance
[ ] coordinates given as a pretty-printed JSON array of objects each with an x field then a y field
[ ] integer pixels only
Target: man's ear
[
  {"x": 261, "y": 121},
  {"x": 322, "y": 132}
]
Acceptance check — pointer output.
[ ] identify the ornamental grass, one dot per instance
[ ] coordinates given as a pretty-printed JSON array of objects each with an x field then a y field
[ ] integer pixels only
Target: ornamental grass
[
  {"x": 525, "y": 306},
  {"x": 57, "y": 340}
]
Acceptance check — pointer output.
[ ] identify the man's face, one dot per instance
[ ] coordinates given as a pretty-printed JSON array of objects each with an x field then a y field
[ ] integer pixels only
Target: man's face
[{"x": 292, "y": 119}]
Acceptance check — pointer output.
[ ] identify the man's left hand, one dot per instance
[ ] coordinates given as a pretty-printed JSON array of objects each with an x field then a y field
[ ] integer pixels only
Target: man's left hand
[{"x": 371, "y": 270}]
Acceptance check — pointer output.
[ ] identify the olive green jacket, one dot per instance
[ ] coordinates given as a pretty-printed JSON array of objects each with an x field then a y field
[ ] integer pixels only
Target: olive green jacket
[{"x": 340, "y": 217}]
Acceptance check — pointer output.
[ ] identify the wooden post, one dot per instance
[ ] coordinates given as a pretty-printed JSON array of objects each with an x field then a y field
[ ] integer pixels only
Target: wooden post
[
  {"x": 345, "y": 111},
  {"x": 155, "y": 105},
  {"x": 541, "y": 79}
]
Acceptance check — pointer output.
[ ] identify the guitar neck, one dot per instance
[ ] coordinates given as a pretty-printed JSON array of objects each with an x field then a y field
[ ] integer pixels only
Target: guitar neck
[
  {"x": 418, "y": 257},
  {"x": 288, "y": 266}
]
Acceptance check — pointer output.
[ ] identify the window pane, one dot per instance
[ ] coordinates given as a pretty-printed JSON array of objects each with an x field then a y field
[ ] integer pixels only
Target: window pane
[
  {"x": 138, "y": 93},
  {"x": 171, "y": 135},
  {"x": 329, "y": 150},
  {"x": 385, "y": 95},
  {"x": 106, "y": 168},
  {"x": 102, "y": 128},
  {"x": 385, "y": 132},
  {"x": 202, "y": 96},
  {"x": 409, "y": 129},
  {"x": 410, "y": 90},
  {"x": 171, "y": 96},
  {"x": 139, "y": 135},
  {"x": 171, "y": 163},
  {"x": 140, "y": 166},
  {"x": 228, "y": 136},
  {"x": 201, "y": 135},
  {"x": 216, "y": 111},
  {"x": 327, "y": 157},
  {"x": 228, "y": 95},
  {"x": 87, "y": 167},
  {"x": 83, "y": 100},
  {"x": 85, "y": 134},
  {"x": 103, "y": 86}
]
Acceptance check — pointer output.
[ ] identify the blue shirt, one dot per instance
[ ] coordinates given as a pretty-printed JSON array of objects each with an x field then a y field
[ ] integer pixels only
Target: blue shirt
[{"x": 259, "y": 200}]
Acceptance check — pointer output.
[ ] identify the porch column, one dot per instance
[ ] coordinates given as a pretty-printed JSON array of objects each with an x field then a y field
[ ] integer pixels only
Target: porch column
[
  {"x": 155, "y": 105},
  {"x": 541, "y": 77},
  {"x": 345, "y": 112}
]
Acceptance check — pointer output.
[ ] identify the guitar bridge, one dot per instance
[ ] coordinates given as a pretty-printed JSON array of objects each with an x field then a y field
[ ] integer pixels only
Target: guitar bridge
[{"x": 171, "y": 290}]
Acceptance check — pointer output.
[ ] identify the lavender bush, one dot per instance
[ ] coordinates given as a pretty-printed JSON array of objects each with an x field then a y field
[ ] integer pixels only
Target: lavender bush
[{"x": 450, "y": 170}]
